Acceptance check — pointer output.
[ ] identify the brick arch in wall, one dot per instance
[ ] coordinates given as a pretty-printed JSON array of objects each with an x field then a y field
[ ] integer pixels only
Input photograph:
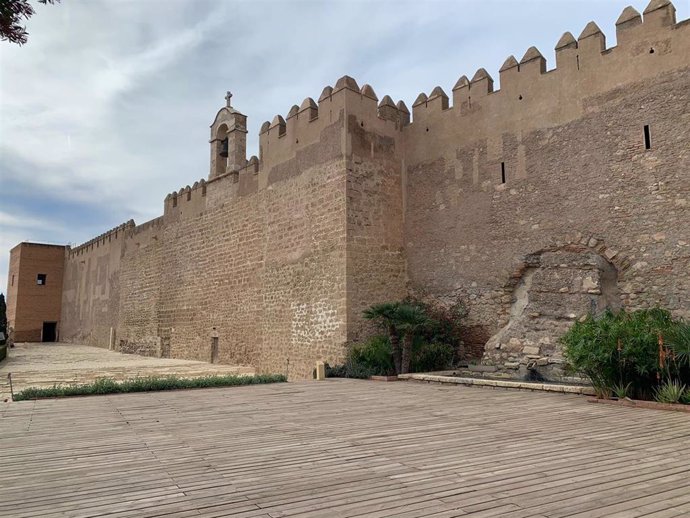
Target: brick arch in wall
[
  {"x": 579, "y": 242},
  {"x": 550, "y": 289}
]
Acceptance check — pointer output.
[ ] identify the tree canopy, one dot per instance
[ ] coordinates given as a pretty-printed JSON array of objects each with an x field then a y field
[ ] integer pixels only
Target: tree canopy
[{"x": 12, "y": 14}]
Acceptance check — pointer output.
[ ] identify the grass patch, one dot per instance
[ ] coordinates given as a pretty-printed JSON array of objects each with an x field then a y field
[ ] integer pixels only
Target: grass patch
[{"x": 145, "y": 384}]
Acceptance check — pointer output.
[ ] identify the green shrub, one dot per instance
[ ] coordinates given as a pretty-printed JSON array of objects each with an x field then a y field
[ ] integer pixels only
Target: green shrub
[
  {"x": 685, "y": 398},
  {"x": 428, "y": 357},
  {"x": 145, "y": 384},
  {"x": 349, "y": 370},
  {"x": 445, "y": 322},
  {"x": 374, "y": 356},
  {"x": 623, "y": 349},
  {"x": 412, "y": 321},
  {"x": 671, "y": 391}
]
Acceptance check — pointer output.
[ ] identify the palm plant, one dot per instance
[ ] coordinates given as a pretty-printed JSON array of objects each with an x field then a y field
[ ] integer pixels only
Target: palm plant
[
  {"x": 678, "y": 340},
  {"x": 410, "y": 320},
  {"x": 386, "y": 315}
]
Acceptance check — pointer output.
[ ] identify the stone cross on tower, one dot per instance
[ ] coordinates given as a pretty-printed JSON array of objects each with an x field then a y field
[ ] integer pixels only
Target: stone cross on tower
[{"x": 228, "y": 96}]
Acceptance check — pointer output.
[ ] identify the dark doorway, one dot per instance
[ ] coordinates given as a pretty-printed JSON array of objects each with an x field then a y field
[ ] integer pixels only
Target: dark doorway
[{"x": 49, "y": 331}]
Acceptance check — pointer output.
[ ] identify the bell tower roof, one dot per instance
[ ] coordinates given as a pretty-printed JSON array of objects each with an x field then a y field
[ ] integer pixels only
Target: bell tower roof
[{"x": 226, "y": 111}]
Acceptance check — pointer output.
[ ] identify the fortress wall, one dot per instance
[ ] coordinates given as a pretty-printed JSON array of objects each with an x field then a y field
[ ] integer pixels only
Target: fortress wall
[
  {"x": 189, "y": 201},
  {"x": 351, "y": 205},
  {"x": 211, "y": 277},
  {"x": 576, "y": 167},
  {"x": 141, "y": 290},
  {"x": 263, "y": 271},
  {"x": 375, "y": 245},
  {"x": 91, "y": 288},
  {"x": 589, "y": 181},
  {"x": 304, "y": 269},
  {"x": 302, "y": 202}
]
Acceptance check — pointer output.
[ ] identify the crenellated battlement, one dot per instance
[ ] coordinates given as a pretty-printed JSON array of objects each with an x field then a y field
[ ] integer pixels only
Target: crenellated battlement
[
  {"x": 199, "y": 190},
  {"x": 282, "y": 138},
  {"x": 647, "y": 44},
  {"x": 533, "y": 97},
  {"x": 528, "y": 89},
  {"x": 106, "y": 237},
  {"x": 152, "y": 224}
]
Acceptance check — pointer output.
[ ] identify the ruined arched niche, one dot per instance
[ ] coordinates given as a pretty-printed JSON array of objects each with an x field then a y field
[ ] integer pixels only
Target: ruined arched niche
[{"x": 556, "y": 288}]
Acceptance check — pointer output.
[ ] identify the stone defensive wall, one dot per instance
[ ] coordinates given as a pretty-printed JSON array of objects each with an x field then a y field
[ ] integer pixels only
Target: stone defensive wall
[
  {"x": 254, "y": 259},
  {"x": 563, "y": 192}
]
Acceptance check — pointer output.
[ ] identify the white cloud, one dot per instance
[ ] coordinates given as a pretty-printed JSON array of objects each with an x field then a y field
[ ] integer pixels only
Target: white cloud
[{"x": 12, "y": 221}]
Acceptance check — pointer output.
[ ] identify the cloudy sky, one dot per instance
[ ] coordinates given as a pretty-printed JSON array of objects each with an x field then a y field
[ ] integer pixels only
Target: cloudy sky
[{"x": 107, "y": 108}]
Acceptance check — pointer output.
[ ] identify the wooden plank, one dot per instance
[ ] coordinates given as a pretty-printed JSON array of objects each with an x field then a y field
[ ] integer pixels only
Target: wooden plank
[{"x": 341, "y": 448}]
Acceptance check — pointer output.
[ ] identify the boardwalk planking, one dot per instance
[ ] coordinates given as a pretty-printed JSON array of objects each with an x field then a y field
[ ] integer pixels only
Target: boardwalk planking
[{"x": 341, "y": 448}]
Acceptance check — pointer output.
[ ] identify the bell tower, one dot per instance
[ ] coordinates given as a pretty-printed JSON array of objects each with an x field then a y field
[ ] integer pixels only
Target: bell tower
[{"x": 228, "y": 140}]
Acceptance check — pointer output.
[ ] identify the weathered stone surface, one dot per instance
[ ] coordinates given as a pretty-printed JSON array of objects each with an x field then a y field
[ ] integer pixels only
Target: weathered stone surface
[{"x": 482, "y": 368}]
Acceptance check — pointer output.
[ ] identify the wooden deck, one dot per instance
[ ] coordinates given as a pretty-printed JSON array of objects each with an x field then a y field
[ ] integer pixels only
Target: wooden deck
[{"x": 341, "y": 448}]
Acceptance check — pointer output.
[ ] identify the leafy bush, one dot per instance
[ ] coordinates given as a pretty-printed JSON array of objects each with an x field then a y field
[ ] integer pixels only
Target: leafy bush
[
  {"x": 374, "y": 355},
  {"x": 433, "y": 356},
  {"x": 413, "y": 321},
  {"x": 685, "y": 398},
  {"x": 145, "y": 384},
  {"x": 628, "y": 349},
  {"x": 374, "y": 358},
  {"x": 349, "y": 370},
  {"x": 445, "y": 322}
]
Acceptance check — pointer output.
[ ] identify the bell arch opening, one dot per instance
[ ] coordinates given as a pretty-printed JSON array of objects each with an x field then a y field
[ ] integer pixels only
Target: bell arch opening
[{"x": 221, "y": 150}]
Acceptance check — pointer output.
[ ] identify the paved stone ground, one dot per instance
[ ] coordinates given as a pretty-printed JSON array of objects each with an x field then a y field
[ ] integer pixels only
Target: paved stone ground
[
  {"x": 342, "y": 448},
  {"x": 45, "y": 364}
]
